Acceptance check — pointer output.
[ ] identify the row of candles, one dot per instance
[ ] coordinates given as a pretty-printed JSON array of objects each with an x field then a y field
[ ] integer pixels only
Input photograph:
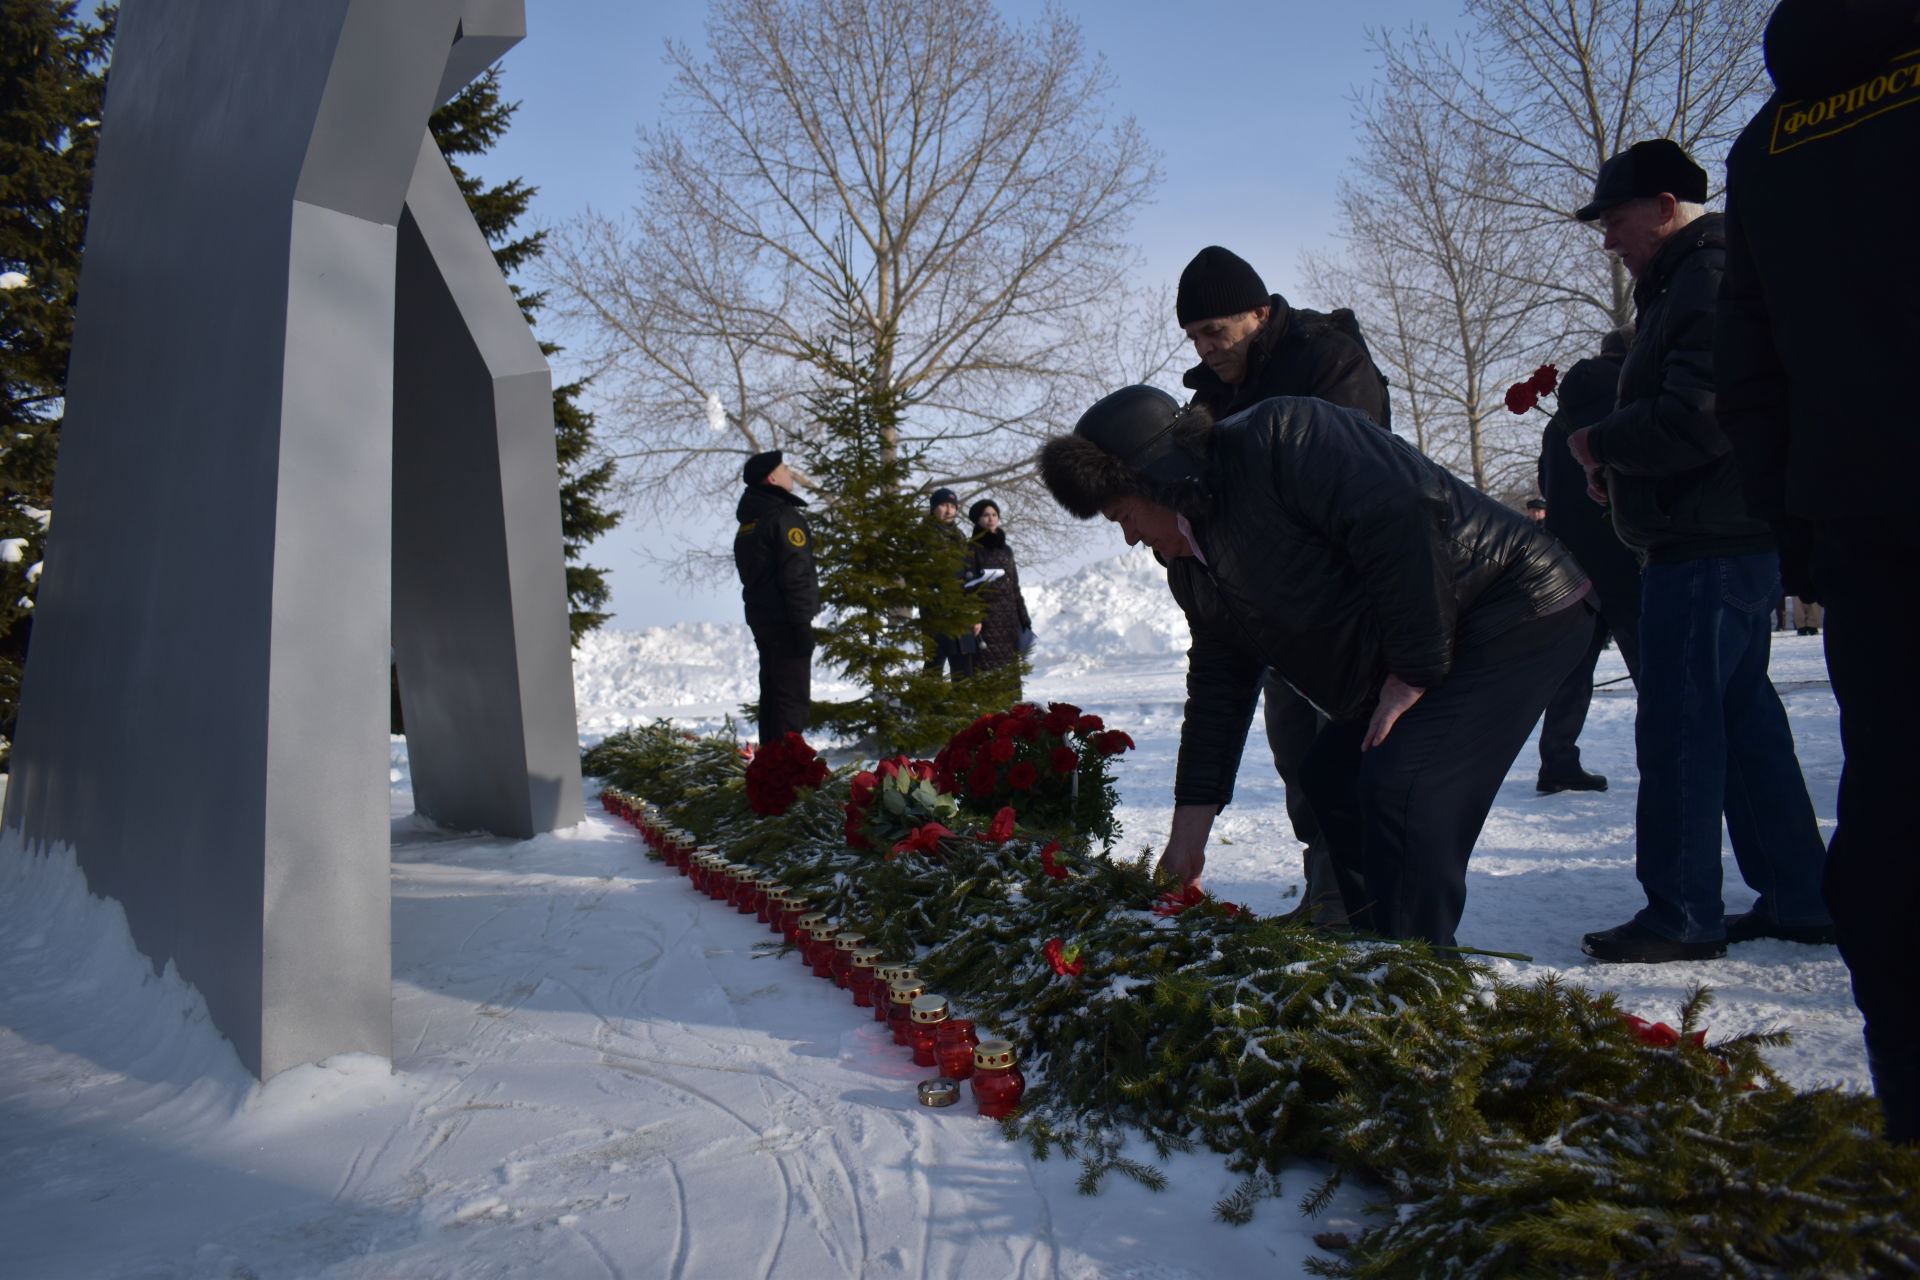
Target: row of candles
[{"x": 894, "y": 992}]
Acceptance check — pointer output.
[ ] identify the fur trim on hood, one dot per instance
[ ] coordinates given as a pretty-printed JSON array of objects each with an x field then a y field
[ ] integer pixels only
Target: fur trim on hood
[{"x": 1084, "y": 478}]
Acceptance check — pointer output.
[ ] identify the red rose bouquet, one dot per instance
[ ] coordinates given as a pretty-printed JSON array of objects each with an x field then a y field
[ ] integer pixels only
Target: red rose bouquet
[
  {"x": 1054, "y": 767},
  {"x": 777, "y": 771}
]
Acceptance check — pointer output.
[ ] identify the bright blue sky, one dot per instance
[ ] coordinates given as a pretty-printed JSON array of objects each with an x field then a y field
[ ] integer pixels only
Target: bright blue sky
[{"x": 1247, "y": 104}]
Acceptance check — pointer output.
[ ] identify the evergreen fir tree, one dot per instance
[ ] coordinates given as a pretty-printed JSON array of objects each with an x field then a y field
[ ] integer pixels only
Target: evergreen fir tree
[
  {"x": 52, "y": 83},
  {"x": 469, "y": 124},
  {"x": 888, "y": 579}
]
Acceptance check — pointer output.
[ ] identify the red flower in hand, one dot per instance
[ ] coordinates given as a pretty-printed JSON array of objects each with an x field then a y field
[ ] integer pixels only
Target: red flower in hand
[
  {"x": 1001, "y": 829},
  {"x": 1544, "y": 380},
  {"x": 1047, "y": 863},
  {"x": 1064, "y": 959},
  {"x": 1521, "y": 397},
  {"x": 1022, "y": 776},
  {"x": 1064, "y": 760}
]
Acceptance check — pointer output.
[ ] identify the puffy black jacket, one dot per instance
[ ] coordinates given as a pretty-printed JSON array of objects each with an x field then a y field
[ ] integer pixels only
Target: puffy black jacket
[
  {"x": 773, "y": 551},
  {"x": 1296, "y": 353},
  {"x": 1818, "y": 321},
  {"x": 1674, "y": 485},
  {"x": 1336, "y": 554}
]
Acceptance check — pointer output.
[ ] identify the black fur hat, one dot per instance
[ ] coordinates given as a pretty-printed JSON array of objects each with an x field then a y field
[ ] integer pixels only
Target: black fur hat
[{"x": 1127, "y": 444}]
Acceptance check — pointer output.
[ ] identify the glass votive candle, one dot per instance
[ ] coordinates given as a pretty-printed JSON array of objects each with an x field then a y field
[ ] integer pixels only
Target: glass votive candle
[
  {"x": 902, "y": 992},
  {"x": 821, "y": 959},
  {"x": 777, "y": 900},
  {"x": 771, "y": 891},
  {"x": 997, "y": 1083},
  {"x": 861, "y": 975},
  {"x": 953, "y": 1044},
  {"x": 746, "y": 891},
  {"x": 801, "y": 918},
  {"x": 924, "y": 1016},
  {"x": 697, "y": 871},
  {"x": 840, "y": 964}
]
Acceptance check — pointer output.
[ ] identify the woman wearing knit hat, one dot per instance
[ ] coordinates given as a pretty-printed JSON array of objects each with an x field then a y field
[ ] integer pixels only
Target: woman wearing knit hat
[{"x": 1006, "y": 608}]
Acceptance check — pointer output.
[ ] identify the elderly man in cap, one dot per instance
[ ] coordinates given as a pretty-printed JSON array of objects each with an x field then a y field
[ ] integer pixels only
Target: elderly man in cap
[
  {"x": 1710, "y": 733},
  {"x": 1253, "y": 346},
  {"x": 773, "y": 551},
  {"x": 1427, "y": 621}
]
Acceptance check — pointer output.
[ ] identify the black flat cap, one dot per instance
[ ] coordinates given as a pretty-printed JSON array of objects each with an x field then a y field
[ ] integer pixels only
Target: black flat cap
[
  {"x": 760, "y": 466},
  {"x": 1646, "y": 169}
]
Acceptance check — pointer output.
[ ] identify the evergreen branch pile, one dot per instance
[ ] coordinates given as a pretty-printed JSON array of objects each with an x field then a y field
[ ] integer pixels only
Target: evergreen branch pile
[{"x": 1516, "y": 1129}]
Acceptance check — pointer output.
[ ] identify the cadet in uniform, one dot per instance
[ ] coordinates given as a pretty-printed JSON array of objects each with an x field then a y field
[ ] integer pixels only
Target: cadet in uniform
[{"x": 774, "y": 553}]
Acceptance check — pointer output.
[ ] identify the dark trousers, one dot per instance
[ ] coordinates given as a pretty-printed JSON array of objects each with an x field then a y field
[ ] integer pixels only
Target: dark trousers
[
  {"x": 1292, "y": 725},
  {"x": 786, "y": 679},
  {"x": 956, "y": 652},
  {"x": 1401, "y": 820},
  {"x": 1713, "y": 741},
  {"x": 1873, "y": 867},
  {"x": 1566, "y": 713}
]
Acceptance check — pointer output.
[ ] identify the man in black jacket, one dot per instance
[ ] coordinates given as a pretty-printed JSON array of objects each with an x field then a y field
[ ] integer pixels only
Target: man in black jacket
[
  {"x": 1427, "y": 621},
  {"x": 1254, "y": 346},
  {"x": 1817, "y": 327},
  {"x": 1586, "y": 395},
  {"x": 1710, "y": 733},
  {"x": 773, "y": 551}
]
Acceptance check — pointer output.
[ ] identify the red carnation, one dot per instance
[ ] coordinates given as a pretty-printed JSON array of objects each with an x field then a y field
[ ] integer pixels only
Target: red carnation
[
  {"x": 1001, "y": 829},
  {"x": 925, "y": 839},
  {"x": 1028, "y": 730},
  {"x": 1544, "y": 379},
  {"x": 1112, "y": 743},
  {"x": 1001, "y": 750},
  {"x": 1088, "y": 724},
  {"x": 982, "y": 780},
  {"x": 1022, "y": 776},
  {"x": 1064, "y": 760},
  {"x": 1064, "y": 959},
  {"x": 1021, "y": 710},
  {"x": 1060, "y": 717},
  {"x": 1521, "y": 397},
  {"x": 864, "y": 784},
  {"x": 1047, "y": 862},
  {"x": 1174, "y": 901}
]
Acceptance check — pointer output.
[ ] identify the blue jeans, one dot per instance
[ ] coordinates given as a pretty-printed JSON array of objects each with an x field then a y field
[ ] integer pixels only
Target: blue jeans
[{"x": 1712, "y": 738}]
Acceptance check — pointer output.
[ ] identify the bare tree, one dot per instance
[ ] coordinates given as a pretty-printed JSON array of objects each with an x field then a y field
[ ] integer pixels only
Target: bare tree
[
  {"x": 1436, "y": 274},
  {"x": 1460, "y": 250},
  {"x": 962, "y": 170}
]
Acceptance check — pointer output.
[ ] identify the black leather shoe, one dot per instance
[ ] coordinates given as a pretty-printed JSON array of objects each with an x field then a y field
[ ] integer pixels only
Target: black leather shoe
[
  {"x": 1634, "y": 943},
  {"x": 1581, "y": 781},
  {"x": 1747, "y": 927}
]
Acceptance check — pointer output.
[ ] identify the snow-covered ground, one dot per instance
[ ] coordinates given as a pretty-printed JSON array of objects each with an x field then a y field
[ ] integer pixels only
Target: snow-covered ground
[{"x": 595, "y": 1074}]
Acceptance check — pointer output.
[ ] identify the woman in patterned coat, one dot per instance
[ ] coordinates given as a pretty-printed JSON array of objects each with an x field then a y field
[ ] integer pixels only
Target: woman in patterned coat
[{"x": 1006, "y": 610}]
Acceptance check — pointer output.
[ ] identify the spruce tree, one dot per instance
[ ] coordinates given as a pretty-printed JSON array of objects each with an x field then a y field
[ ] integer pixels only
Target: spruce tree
[
  {"x": 889, "y": 579},
  {"x": 469, "y": 124},
  {"x": 52, "y": 83}
]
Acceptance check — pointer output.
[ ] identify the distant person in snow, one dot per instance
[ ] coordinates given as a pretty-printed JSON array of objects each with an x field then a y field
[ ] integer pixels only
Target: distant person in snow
[
  {"x": 1817, "y": 328},
  {"x": 1006, "y": 616},
  {"x": 1252, "y": 346},
  {"x": 773, "y": 550},
  {"x": 1428, "y": 622},
  {"x": 957, "y": 652}
]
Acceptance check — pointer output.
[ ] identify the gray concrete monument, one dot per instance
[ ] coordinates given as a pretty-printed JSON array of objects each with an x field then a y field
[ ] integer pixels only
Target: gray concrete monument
[{"x": 305, "y": 423}]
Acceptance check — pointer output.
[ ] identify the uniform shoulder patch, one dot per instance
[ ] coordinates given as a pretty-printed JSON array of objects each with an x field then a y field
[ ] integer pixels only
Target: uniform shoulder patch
[{"x": 797, "y": 536}]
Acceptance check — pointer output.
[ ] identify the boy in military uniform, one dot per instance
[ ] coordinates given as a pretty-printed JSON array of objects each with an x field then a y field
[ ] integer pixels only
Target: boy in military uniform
[{"x": 773, "y": 551}]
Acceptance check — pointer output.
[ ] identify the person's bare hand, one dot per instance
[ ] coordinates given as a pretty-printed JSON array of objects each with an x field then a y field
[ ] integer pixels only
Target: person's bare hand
[
  {"x": 1581, "y": 448},
  {"x": 1185, "y": 856},
  {"x": 1396, "y": 697}
]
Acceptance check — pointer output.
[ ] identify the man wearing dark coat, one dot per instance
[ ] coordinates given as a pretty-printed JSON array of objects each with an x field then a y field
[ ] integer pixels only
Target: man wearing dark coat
[
  {"x": 1586, "y": 395},
  {"x": 1427, "y": 621},
  {"x": 1710, "y": 734},
  {"x": 773, "y": 550},
  {"x": 1817, "y": 330},
  {"x": 1253, "y": 346},
  {"x": 954, "y": 652}
]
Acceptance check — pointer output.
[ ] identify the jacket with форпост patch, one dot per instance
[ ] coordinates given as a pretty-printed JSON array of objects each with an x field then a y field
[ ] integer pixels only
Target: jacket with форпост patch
[
  {"x": 1335, "y": 552},
  {"x": 773, "y": 550}
]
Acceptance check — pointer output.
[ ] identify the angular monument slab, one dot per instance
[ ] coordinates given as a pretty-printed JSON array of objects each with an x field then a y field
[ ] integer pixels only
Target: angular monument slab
[{"x": 204, "y": 715}]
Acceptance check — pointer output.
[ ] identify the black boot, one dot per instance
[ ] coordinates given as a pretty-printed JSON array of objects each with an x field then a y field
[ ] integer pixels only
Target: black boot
[
  {"x": 1897, "y": 1085},
  {"x": 1578, "y": 780}
]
